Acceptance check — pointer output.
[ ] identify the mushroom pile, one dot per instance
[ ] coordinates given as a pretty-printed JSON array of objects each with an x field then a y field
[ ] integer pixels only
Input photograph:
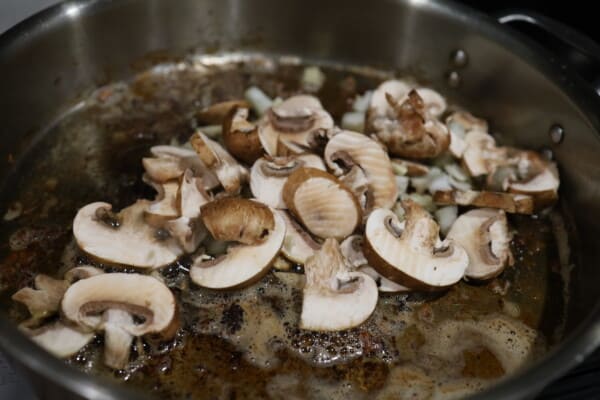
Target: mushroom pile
[{"x": 404, "y": 196}]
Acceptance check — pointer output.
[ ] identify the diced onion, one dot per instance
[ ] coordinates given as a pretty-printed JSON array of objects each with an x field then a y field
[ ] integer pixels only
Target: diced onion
[
  {"x": 259, "y": 101},
  {"x": 312, "y": 79},
  {"x": 445, "y": 217},
  {"x": 353, "y": 121}
]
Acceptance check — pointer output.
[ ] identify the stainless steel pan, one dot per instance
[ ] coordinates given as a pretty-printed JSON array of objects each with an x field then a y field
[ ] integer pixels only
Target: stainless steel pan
[{"x": 49, "y": 60}]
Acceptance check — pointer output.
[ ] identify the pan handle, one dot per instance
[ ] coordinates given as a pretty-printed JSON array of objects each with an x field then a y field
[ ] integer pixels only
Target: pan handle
[{"x": 572, "y": 47}]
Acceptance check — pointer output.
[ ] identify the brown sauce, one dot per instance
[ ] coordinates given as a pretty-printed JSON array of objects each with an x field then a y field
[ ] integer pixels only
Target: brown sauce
[{"x": 246, "y": 344}]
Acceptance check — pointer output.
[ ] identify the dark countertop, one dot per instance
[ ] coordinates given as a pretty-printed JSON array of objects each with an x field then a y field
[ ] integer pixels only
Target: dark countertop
[{"x": 581, "y": 383}]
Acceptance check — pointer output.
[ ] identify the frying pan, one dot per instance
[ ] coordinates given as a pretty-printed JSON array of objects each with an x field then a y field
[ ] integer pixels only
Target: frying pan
[{"x": 53, "y": 58}]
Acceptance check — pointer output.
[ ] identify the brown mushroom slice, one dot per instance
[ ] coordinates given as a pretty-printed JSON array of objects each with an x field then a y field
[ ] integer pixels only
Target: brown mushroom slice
[
  {"x": 459, "y": 124},
  {"x": 409, "y": 130},
  {"x": 347, "y": 148},
  {"x": 294, "y": 121},
  {"x": 216, "y": 113},
  {"x": 124, "y": 238},
  {"x": 44, "y": 300},
  {"x": 268, "y": 175},
  {"x": 483, "y": 233},
  {"x": 240, "y": 136},
  {"x": 379, "y": 106},
  {"x": 170, "y": 162},
  {"x": 321, "y": 203},
  {"x": 242, "y": 265},
  {"x": 58, "y": 339},
  {"x": 543, "y": 187},
  {"x": 237, "y": 219},
  {"x": 162, "y": 169},
  {"x": 412, "y": 254},
  {"x": 230, "y": 173},
  {"x": 334, "y": 297},
  {"x": 509, "y": 202},
  {"x": 122, "y": 305},
  {"x": 298, "y": 245}
]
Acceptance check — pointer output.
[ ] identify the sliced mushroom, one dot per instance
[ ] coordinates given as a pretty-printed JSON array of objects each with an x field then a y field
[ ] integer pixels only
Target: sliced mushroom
[
  {"x": 237, "y": 219},
  {"x": 412, "y": 254},
  {"x": 164, "y": 206},
  {"x": 170, "y": 162},
  {"x": 243, "y": 264},
  {"x": 294, "y": 121},
  {"x": 407, "y": 128},
  {"x": 230, "y": 173},
  {"x": 216, "y": 113},
  {"x": 509, "y": 202},
  {"x": 537, "y": 178},
  {"x": 124, "y": 306},
  {"x": 81, "y": 272},
  {"x": 321, "y": 203},
  {"x": 483, "y": 233},
  {"x": 191, "y": 195},
  {"x": 268, "y": 175},
  {"x": 123, "y": 238},
  {"x": 351, "y": 249},
  {"x": 298, "y": 245},
  {"x": 44, "y": 300},
  {"x": 58, "y": 339},
  {"x": 347, "y": 149},
  {"x": 384, "y": 285},
  {"x": 241, "y": 136},
  {"x": 459, "y": 124},
  {"x": 481, "y": 156},
  {"x": 334, "y": 297}
]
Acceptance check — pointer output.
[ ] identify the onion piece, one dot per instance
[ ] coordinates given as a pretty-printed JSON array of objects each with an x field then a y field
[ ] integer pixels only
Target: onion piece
[{"x": 259, "y": 101}]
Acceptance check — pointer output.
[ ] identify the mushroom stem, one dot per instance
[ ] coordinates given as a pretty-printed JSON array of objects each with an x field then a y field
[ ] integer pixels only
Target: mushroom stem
[{"x": 117, "y": 341}]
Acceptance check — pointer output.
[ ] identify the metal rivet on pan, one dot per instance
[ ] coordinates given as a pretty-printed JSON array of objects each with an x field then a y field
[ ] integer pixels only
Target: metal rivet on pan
[
  {"x": 459, "y": 58},
  {"x": 453, "y": 79},
  {"x": 557, "y": 133}
]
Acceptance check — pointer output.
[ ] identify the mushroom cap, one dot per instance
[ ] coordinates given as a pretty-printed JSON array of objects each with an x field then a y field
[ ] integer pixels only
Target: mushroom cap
[
  {"x": 293, "y": 122},
  {"x": 240, "y": 136},
  {"x": 335, "y": 298},
  {"x": 298, "y": 245},
  {"x": 238, "y": 219},
  {"x": 483, "y": 233},
  {"x": 129, "y": 242},
  {"x": 509, "y": 202},
  {"x": 412, "y": 255},
  {"x": 217, "y": 113},
  {"x": 356, "y": 148},
  {"x": 268, "y": 175},
  {"x": 139, "y": 295},
  {"x": 321, "y": 203},
  {"x": 408, "y": 126},
  {"x": 229, "y": 172},
  {"x": 243, "y": 264}
]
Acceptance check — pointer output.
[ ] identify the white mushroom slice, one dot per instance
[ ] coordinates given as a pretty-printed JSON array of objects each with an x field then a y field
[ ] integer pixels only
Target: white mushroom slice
[
  {"x": 189, "y": 232},
  {"x": 191, "y": 196},
  {"x": 509, "y": 202},
  {"x": 351, "y": 249},
  {"x": 170, "y": 162},
  {"x": 243, "y": 264},
  {"x": 295, "y": 121},
  {"x": 268, "y": 175},
  {"x": 412, "y": 255},
  {"x": 164, "y": 205},
  {"x": 384, "y": 285},
  {"x": 481, "y": 155},
  {"x": 379, "y": 106},
  {"x": 483, "y": 233},
  {"x": 82, "y": 272},
  {"x": 109, "y": 302},
  {"x": 321, "y": 203},
  {"x": 459, "y": 124},
  {"x": 237, "y": 219},
  {"x": 229, "y": 172},
  {"x": 44, "y": 300},
  {"x": 123, "y": 238},
  {"x": 407, "y": 128},
  {"x": 347, "y": 148},
  {"x": 297, "y": 245},
  {"x": 60, "y": 340},
  {"x": 335, "y": 298},
  {"x": 543, "y": 187},
  {"x": 241, "y": 137}
]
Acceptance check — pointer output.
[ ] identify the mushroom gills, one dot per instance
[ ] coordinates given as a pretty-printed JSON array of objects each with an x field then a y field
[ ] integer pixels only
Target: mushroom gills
[{"x": 335, "y": 298}]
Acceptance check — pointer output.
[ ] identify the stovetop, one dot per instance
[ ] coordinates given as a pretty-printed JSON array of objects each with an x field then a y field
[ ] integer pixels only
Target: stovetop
[{"x": 581, "y": 383}]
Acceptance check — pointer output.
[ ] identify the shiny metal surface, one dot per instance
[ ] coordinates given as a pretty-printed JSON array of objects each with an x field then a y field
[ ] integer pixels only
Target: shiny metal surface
[{"x": 47, "y": 62}]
